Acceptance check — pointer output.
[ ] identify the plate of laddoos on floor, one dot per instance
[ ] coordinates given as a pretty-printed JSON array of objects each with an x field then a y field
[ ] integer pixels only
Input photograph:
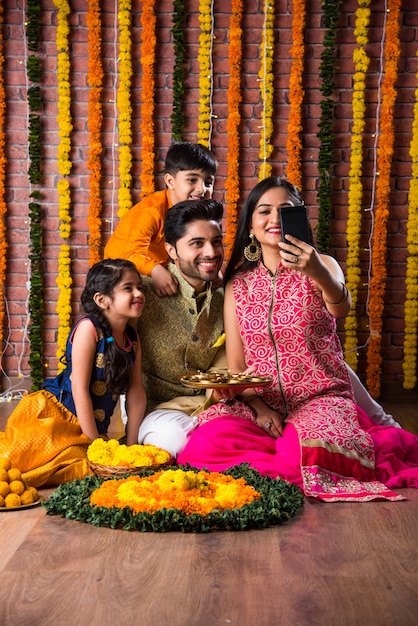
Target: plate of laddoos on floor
[
  {"x": 15, "y": 494},
  {"x": 107, "y": 458},
  {"x": 224, "y": 380}
]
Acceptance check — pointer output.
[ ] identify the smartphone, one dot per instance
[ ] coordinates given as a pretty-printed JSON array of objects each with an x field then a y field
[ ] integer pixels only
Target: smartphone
[{"x": 294, "y": 221}]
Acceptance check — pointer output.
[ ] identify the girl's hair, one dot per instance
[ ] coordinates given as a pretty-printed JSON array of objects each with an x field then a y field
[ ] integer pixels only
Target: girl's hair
[
  {"x": 242, "y": 237},
  {"x": 184, "y": 213},
  {"x": 102, "y": 278},
  {"x": 186, "y": 155}
]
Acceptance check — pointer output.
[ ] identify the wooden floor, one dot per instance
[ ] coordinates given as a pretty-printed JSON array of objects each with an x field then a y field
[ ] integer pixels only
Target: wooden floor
[{"x": 334, "y": 564}]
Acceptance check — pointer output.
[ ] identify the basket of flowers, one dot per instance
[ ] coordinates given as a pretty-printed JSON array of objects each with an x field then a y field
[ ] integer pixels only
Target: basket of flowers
[{"x": 111, "y": 458}]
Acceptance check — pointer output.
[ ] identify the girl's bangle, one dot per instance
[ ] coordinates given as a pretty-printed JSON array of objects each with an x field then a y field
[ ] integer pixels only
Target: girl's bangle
[{"x": 343, "y": 299}]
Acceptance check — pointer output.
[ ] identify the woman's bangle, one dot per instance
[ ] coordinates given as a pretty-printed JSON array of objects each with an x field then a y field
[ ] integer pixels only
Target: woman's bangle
[{"x": 343, "y": 299}]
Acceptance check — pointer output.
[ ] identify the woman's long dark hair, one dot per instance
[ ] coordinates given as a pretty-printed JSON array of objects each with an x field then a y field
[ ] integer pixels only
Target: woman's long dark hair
[
  {"x": 102, "y": 278},
  {"x": 237, "y": 261}
]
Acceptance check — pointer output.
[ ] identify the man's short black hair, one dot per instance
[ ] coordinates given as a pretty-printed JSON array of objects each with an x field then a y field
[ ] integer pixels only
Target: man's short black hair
[{"x": 188, "y": 211}]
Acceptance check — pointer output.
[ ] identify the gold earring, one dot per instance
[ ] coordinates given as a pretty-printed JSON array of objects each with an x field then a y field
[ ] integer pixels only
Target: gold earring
[{"x": 252, "y": 251}]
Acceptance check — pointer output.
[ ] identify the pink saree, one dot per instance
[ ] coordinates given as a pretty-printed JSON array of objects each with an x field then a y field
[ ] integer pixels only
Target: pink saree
[{"x": 329, "y": 447}]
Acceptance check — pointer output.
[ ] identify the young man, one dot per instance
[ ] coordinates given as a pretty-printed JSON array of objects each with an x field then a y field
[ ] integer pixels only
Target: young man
[
  {"x": 180, "y": 334},
  {"x": 190, "y": 170}
]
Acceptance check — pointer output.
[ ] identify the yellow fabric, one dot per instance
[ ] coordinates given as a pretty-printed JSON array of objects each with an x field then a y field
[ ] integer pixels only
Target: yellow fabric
[{"x": 44, "y": 440}]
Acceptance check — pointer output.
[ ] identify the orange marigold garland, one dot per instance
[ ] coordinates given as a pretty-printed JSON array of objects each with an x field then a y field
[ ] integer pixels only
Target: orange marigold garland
[
  {"x": 355, "y": 193},
  {"x": 125, "y": 107},
  {"x": 64, "y": 280},
  {"x": 148, "y": 46},
  {"x": 296, "y": 93},
  {"x": 95, "y": 118},
  {"x": 410, "y": 344},
  {"x": 267, "y": 90},
  {"x": 204, "y": 124},
  {"x": 385, "y": 153},
  {"x": 3, "y": 206},
  {"x": 232, "y": 192}
]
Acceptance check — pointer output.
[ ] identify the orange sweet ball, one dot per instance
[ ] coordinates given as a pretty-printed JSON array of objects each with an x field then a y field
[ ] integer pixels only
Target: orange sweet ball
[
  {"x": 4, "y": 488},
  {"x": 3, "y": 475},
  {"x": 27, "y": 497},
  {"x": 12, "y": 500},
  {"x": 16, "y": 486},
  {"x": 14, "y": 474},
  {"x": 2, "y": 502}
]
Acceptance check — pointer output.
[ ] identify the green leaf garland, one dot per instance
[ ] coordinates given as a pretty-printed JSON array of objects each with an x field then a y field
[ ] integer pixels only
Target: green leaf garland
[
  {"x": 325, "y": 134},
  {"x": 279, "y": 502},
  {"x": 177, "y": 116}
]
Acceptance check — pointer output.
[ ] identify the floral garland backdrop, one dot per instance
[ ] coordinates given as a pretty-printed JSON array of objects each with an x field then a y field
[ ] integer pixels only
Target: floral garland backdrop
[
  {"x": 355, "y": 192},
  {"x": 234, "y": 160},
  {"x": 232, "y": 189},
  {"x": 410, "y": 345},
  {"x": 95, "y": 119},
  {"x": 64, "y": 279},
  {"x": 149, "y": 42},
  {"x": 296, "y": 92},
  {"x": 379, "y": 241},
  {"x": 266, "y": 90}
]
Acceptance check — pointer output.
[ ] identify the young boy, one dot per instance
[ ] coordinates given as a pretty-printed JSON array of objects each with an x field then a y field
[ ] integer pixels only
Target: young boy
[{"x": 190, "y": 170}]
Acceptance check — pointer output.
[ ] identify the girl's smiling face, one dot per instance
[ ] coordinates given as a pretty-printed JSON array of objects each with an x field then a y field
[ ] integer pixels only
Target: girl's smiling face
[
  {"x": 128, "y": 299},
  {"x": 265, "y": 222}
]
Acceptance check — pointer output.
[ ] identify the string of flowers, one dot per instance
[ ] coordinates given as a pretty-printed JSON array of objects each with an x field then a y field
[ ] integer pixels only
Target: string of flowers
[
  {"x": 148, "y": 45},
  {"x": 35, "y": 300},
  {"x": 385, "y": 153},
  {"x": 331, "y": 10},
  {"x": 410, "y": 343},
  {"x": 265, "y": 76},
  {"x": 3, "y": 205},
  {"x": 355, "y": 192},
  {"x": 177, "y": 115},
  {"x": 204, "y": 123},
  {"x": 232, "y": 192},
  {"x": 64, "y": 280},
  {"x": 296, "y": 94},
  {"x": 124, "y": 107},
  {"x": 95, "y": 119}
]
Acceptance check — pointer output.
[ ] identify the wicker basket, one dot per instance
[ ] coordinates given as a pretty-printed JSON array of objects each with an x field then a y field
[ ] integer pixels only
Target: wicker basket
[{"x": 108, "y": 471}]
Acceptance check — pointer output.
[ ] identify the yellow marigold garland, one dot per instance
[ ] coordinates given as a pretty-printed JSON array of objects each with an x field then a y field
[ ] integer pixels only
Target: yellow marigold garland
[
  {"x": 125, "y": 107},
  {"x": 265, "y": 75},
  {"x": 296, "y": 93},
  {"x": 410, "y": 345},
  {"x": 64, "y": 280},
  {"x": 148, "y": 45},
  {"x": 355, "y": 193},
  {"x": 192, "y": 492},
  {"x": 3, "y": 206},
  {"x": 95, "y": 118},
  {"x": 204, "y": 123},
  {"x": 385, "y": 153},
  {"x": 232, "y": 192}
]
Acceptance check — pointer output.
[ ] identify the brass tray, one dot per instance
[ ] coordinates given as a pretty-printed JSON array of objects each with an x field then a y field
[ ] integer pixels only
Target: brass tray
[{"x": 224, "y": 380}]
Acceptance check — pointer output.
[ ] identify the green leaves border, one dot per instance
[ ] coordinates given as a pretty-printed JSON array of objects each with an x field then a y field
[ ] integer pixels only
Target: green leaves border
[{"x": 279, "y": 502}]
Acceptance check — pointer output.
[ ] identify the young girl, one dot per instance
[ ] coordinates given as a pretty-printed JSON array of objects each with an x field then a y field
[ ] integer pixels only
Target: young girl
[{"x": 48, "y": 433}]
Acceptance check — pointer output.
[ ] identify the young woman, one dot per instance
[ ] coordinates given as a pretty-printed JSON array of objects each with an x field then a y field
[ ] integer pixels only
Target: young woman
[
  {"x": 281, "y": 301},
  {"x": 48, "y": 433}
]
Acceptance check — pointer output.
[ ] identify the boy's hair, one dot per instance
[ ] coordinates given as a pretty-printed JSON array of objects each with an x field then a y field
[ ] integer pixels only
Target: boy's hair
[
  {"x": 189, "y": 156},
  {"x": 184, "y": 213},
  {"x": 103, "y": 277}
]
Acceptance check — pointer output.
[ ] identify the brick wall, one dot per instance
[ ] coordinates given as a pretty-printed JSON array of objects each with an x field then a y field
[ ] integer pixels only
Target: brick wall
[{"x": 18, "y": 187}]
